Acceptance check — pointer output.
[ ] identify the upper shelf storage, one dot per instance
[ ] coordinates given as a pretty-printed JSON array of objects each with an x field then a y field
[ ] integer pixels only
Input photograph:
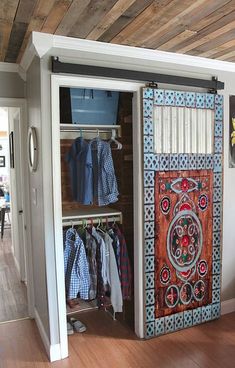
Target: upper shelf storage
[{"x": 88, "y": 106}]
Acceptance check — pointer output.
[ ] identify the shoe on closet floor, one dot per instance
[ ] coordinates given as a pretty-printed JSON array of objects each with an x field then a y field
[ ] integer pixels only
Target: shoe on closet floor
[
  {"x": 78, "y": 326},
  {"x": 70, "y": 330}
]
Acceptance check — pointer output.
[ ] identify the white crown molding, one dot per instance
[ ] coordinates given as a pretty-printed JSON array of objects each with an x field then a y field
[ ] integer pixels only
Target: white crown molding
[
  {"x": 119, "y": 56},
  {"x": 12, "y": 68},
  {"x": 21, "y": 72},
  {"x": 139, "y": 55},
  {"x": 9, "y": 67},
  {"x": 39, "y": 44}
]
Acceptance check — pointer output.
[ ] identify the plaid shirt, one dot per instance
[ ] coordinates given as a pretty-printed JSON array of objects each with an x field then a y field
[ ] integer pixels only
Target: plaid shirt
[
  {"x": 105, "y": 183},
  {"x": 125, "y": 268},
  {"x": 77, "y": 279}
]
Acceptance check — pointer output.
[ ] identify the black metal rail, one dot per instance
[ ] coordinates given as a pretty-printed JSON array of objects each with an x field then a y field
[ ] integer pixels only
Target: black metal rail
[{"x": 97, "y": 71}]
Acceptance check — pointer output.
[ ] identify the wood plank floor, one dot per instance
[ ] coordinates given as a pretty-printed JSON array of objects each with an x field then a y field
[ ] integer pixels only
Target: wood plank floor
[
  {"x": 107, "y": 344},
  {"x": 13, "y": 294}
]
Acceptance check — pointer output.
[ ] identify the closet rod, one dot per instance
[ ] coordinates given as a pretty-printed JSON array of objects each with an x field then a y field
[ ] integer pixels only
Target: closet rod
[
  {"x": 94, "y": 218},
  {"x": 87, "y": 128}
]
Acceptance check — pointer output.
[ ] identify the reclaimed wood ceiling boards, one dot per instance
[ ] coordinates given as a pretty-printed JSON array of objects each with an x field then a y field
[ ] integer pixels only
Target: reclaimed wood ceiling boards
[{"x": 195, "y": 27}]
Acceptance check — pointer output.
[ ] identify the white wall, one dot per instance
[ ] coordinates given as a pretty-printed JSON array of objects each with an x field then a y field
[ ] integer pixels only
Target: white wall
[
  {"x": 11, "y": 85},
  {"x": 36, "y": 199},
  {"x": 228, "y": 244},
  {"x": 4, "y": 141}
]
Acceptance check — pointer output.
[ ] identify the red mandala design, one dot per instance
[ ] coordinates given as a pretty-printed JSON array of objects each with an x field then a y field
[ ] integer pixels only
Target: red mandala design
[
  {"x": 185, "y": 207},
  {"x": 187, "y": 275},
  {"x": 203, "y": 202},
  {"x": 165, "y": 205},
  {"x": 165, "y": 275},
  {"x": 202, "y": 268},
  {"x": 185, "y": 185}
]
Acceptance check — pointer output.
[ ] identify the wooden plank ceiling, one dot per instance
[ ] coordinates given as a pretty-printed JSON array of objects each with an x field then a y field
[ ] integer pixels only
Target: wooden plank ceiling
[{"x": 195, "y": 27}]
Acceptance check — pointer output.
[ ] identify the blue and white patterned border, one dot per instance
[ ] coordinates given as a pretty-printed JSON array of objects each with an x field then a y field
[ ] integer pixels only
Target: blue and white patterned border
[{"x": 164, "y": 162}]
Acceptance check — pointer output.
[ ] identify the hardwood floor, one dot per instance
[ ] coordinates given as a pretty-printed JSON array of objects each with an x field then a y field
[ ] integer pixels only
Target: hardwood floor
[
  {"x": 108, "y": 344},
  {"x": 13, "y": 294}
]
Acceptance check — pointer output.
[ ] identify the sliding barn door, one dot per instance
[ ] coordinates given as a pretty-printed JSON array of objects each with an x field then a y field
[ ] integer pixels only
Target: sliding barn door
[{"x": 182, "y": 208}]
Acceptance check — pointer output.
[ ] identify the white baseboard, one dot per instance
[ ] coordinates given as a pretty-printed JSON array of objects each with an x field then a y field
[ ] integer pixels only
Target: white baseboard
[
  {"x": 53, "y": 351},
  {"x": 228, "y": 306}
]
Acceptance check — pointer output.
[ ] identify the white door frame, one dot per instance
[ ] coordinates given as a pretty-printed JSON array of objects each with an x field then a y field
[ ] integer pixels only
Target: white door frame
[
  {"x": 21, "y": 104},
  {"x": 115, "y": 85}
]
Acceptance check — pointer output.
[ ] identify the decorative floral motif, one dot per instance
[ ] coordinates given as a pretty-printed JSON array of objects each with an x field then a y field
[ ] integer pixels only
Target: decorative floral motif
[
  {"x": 165, "y": 275},
  {"x": 184, "y": 185},
  {"x": 165, "y": 205},
  {"x": 184, "y": 204},
  {"x": 187, "y": 275},
  {"x": 184, "y": 241},
  {"x": 203, "y": 202},
  {"x": 202, "y": 268},
  {"x": 172, "y": 296},
  {"x": 199, "y": 290},
  {"x": 186, "y": 293}
]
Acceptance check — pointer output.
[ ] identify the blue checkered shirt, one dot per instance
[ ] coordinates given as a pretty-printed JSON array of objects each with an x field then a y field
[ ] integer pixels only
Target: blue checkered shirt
[
  {"x": 105, "y": 183},
  {"x": 77, "y": 278}
]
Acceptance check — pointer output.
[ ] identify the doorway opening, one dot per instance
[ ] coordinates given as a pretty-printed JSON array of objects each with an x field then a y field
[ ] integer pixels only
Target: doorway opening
[
  {"x": 130, "y": 136},
  {"x": 13, "y": 276}
]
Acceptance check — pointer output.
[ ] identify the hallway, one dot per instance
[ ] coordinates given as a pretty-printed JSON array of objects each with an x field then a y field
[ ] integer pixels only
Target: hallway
[{"x": 13, "y": 293}]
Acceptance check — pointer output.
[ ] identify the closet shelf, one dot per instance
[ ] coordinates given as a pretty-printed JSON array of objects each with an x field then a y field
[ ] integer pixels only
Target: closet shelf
[{"x": 83, "y": 306}]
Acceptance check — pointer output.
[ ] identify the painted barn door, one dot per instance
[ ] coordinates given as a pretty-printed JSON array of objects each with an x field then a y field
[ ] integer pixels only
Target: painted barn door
[{"x": 182, "y": 208}]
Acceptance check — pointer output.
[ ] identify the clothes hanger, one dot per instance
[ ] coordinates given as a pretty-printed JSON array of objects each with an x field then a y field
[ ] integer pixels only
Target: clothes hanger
[
  {"x": 99, "y": 228},
  {"x": 114, "y": 140},
  {"x": 84, "y": 224}
]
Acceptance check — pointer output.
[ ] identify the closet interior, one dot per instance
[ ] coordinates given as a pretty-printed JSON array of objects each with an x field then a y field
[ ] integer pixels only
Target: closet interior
[{"x": 97, "y": 203}]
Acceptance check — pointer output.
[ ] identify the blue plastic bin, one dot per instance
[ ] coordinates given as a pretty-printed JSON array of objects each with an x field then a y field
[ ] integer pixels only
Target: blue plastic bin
[{"x": 92, "y": 106}]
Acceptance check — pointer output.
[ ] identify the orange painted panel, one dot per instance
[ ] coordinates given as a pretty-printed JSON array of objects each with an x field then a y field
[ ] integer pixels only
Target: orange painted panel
[{"x": 183, "y": 240}]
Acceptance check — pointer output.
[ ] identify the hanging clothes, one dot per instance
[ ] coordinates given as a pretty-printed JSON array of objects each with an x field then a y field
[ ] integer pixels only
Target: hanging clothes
[
  {"x": 92, "y": 172},
  {"x": 77, "y": 279},
  {"x": 114, "y": 280},
  {"x": 116, "y": 247},
  {"x": 125, "y": 268},
  {"x": 100, "y": 289},
  {"x": 91, "y": 246},
  {"x": 103, "y": 255},
  {"x": 105, "y": 183},
  {"x": 79, "y": 159}
]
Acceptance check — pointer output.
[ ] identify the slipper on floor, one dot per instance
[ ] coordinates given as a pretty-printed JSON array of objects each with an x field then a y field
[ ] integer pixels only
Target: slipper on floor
[
  {"x": 78, "y": 326},
  {"x": 70, "y": 330}
]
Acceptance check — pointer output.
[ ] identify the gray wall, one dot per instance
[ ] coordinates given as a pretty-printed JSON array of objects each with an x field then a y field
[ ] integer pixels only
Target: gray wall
[
  {"x": 36, "y": 197},
  {"x": 11, "y": 85}
]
